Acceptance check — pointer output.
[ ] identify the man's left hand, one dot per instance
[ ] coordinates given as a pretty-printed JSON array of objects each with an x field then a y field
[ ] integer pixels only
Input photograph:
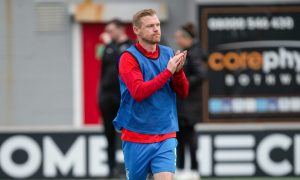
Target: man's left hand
[{"x": 183, "y": 59}]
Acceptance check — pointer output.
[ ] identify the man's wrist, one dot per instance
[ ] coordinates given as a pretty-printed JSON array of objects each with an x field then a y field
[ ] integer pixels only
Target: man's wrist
[
  {"x": 172, "y": 72},
  {"x": 169, "y": 71},
  {"x": 178, "y": 73}
]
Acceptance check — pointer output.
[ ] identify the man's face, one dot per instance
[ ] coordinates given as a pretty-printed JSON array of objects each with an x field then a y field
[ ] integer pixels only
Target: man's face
[
  {"x": 149, "y": 29},
  {"x": 113, "y": 31}
]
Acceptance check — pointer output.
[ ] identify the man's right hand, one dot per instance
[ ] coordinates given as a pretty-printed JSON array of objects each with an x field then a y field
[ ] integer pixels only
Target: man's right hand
[{"x": 175, "y": 61}]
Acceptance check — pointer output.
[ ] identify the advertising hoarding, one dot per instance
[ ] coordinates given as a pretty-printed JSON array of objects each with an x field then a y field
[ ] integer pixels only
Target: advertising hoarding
[{"x": 253, "y": 61}]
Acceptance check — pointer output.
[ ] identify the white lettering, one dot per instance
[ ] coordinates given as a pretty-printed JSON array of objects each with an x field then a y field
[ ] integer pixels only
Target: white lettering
[
  {"x": 244, "y": 80},
  {"x": 229, "y": 80},
  {"x": 204, "y": 155},
  {"x": 285, "y": 79},
  {"x": 271, "y": 61},
  {"x": 286, "y": 59},
  {"x": 257, "y": 79},
  {"x": 97, "y": 157},
  {"x": 270, "y": 79},
  {"x": 297, "y": 154},
  {"x": 282, "y": 23},
  {"x": 257, "y": 23},
  {"x": 297, "y": 60},
  {"x": 284, "y": 104},
  {"x": 263, "y": 155},
  {"x": 238, "y": 169},
  {"x": 226, "y": 23},
  {"x": 250, "y": 23},
  {"x": 26, "y": 144},
  {"x": 298, "y": 79},
  {"x": 74, "y": 158}
]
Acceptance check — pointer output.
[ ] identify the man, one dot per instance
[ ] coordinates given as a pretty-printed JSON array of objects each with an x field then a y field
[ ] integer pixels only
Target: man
[
  {"x": 109, "y": 93},
  {"x": 150, "y": 77},
  {"x": 190, "y": 110}
]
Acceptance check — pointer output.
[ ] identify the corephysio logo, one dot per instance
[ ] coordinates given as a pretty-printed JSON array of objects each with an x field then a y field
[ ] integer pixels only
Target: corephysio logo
[
  {"x": 254, "y": 60},
  {"x": 281, "y": 64}
]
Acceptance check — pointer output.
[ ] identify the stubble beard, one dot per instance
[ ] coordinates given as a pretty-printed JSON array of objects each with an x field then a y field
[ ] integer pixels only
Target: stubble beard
[{"x": 152, "y": 40}]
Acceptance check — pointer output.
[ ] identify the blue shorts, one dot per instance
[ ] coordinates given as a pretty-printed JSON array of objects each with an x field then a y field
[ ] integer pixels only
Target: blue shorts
[{"x": 143, "y": 159}]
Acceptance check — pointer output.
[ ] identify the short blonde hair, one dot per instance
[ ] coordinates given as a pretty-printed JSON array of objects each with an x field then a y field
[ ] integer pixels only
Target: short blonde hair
[{"x": 142, "y": 13}]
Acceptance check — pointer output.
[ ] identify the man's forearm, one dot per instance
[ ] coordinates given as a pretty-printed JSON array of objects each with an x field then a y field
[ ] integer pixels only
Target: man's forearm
[
  {"x": 141, "y": 90},
  {"x": 180, "y": 84}
]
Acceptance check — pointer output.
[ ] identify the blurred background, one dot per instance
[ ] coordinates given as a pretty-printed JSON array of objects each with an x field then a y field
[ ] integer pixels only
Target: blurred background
[{"x": 241, "y": 121}]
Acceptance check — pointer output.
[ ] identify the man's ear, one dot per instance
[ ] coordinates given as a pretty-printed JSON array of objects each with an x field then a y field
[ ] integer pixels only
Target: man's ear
[{"x": 135, "y": 30}]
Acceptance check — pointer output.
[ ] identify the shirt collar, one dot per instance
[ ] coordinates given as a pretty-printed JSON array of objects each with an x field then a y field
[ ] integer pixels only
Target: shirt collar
[{"x": 147, "y": 53}]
